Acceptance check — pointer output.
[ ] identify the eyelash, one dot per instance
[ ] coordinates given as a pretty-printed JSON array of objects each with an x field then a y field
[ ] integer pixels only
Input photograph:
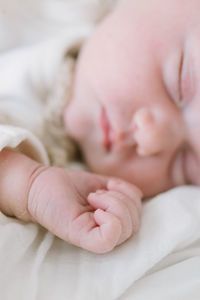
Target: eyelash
[{"x": 180, "y": 95}]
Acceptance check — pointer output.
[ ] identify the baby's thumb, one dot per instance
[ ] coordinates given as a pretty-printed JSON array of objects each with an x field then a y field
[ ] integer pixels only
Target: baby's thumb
[{"x": 109, "y": 230}]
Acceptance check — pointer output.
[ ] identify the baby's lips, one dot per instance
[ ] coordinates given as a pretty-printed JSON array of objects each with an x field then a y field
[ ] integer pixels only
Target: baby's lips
[{"x": 105, "y": 126}]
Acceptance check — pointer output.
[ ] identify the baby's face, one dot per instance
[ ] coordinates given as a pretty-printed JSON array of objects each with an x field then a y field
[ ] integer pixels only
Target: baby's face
[{"x": 135, "y": 108}]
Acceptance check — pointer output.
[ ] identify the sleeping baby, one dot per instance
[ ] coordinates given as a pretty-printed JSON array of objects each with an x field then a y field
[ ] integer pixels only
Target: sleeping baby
[{"x": 132, "y": 110}]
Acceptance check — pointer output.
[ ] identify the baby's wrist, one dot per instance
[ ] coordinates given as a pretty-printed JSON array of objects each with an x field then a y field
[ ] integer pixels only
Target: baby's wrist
[{"x": 16, "y": 172}]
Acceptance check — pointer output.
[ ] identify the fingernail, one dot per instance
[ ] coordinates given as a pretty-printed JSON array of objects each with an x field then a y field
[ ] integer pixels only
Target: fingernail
[
  {"x": 99, "y": 192},
  {"x": 115, "y": 181}
]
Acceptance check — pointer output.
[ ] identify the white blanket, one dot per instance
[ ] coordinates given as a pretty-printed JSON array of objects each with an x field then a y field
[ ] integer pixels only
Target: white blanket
[{"x": 161, "y": 262}]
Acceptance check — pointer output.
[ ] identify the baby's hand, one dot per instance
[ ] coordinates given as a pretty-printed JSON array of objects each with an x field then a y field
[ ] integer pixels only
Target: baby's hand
[
  {"x": 117, "y": 214},
  {"x": 94, "y": 212}
]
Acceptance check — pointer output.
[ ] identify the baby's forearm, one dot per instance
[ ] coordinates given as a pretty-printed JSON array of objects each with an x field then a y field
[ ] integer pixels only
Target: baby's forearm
[{"x": 16, "y": 173}]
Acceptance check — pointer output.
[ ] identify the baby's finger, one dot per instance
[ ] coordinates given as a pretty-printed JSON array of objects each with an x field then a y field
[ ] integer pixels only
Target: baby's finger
[
  {"x": 106, "y": 236},
  {"x": 133, "y": 199},
  {"x": 126, "y": 188},
  {"x": 98, "y": 232},
  {"x": 111, "y": 202}
]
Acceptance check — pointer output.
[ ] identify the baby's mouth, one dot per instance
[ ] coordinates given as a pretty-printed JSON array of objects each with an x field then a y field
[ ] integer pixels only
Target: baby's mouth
[
  {"x": 112, "y": 140},
  {"x": 106, "y": 128}
]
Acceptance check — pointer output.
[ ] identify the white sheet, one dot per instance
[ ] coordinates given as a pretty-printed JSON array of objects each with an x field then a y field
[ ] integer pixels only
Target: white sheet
[{"x": 161, "y": 262}]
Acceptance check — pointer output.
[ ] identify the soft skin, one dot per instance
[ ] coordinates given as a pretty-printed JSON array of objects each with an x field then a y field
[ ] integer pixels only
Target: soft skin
[
  {"x": 140, "y": 70},
  {"x": 91, "y": 211}
]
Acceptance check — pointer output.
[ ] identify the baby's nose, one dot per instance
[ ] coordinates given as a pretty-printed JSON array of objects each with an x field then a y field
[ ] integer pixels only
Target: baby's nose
[{"x": 155, "y": 132}]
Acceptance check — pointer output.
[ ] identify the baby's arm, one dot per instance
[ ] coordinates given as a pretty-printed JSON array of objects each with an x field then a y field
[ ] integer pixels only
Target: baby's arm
[{"x": 91, "y": 211}]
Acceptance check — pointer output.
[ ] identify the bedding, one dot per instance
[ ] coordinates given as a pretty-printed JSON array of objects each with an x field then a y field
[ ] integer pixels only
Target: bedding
[{"x": 161, "y": 262}]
